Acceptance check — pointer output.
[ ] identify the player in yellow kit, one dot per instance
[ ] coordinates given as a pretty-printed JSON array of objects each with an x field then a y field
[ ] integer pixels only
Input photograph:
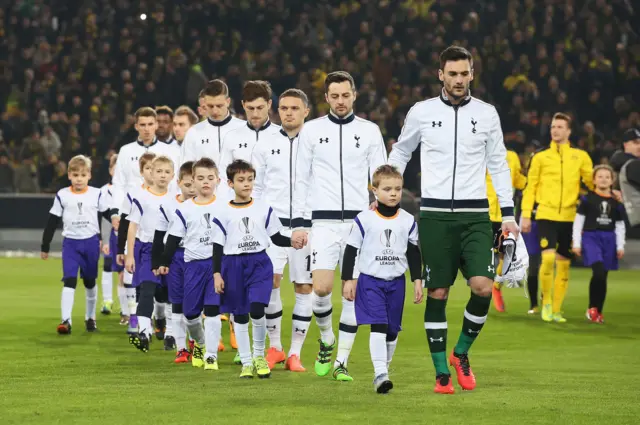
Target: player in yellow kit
[
  {"x": 518, "y": 181},
  {"x": 554, "y": 184}
]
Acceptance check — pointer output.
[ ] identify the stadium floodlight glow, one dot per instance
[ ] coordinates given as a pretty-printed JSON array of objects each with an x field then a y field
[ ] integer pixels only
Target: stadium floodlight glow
[{"x": 143, "y": 16}]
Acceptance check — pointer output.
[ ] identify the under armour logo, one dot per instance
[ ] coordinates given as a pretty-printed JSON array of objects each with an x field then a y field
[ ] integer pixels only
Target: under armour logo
[
  {"x": 473, "y": 123},
  {"x": 134, "y": 158},
  {"x": 302, "y": 331},
  {"x": 325, "y": 140},
  {"x": 357, "y": 140},
  {"x": 491, "y": 269},
  {"x": 314, "y": 256},
  {"x": 242, "y": 145},
  {"x": 79, "y": 208},
  {"x": 205, "y": 141},
  {"x": 471, "y": 331},
  {"x": 275, "y": 151},
  {"x": 441, "y": 339},
  {"x": 436, "y": 123}
]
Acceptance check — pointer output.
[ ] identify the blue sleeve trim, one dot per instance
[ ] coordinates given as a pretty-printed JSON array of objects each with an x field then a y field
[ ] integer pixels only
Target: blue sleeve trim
[
  {"x": 413, "y": 226},
  {"x": 59, "y": 200},
  {"x": 266, "y": 226},
  {"x": 216, "y": 221},
  {"x": 164, "y": 214},
  {"x": 135, "y": 201},
  {"x": 181, "y": 217},
  {"x": 357, "y": 220}
]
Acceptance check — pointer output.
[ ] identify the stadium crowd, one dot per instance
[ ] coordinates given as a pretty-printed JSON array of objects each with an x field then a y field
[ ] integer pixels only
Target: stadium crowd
[{"x": 73, "y": 72}]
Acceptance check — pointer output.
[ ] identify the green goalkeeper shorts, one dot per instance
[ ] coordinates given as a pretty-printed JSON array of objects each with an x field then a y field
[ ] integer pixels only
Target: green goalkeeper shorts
[{"x": 455, "y": 241}]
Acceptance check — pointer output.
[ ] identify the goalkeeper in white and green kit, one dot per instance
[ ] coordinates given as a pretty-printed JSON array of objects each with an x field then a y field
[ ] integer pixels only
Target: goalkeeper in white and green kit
[{"x": 460, "y": 138}]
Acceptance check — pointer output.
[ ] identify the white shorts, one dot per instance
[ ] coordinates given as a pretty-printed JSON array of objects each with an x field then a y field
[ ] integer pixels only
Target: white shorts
[
  {"x": 299, "y": 261},
  {"x": 328, "y": 241}
]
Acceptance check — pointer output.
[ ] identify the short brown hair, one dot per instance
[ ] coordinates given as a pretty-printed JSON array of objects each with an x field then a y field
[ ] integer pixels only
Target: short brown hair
[
  {"x": 385, "y": 171},
  {"x": 164, "y": 110},
  {"x": 256, "y": 89},
  {"x": 79, "y": 162},
  {"x": 607, "y": 167},
  {"x": 186, "y": 170},
  {"x": 146, "y": 158},
  {"x": 239, "y": 166},
  {"x": 338, "y": 77},
  {"x": 455, "y": 54},
  {"x": 113, "y": 160},
  {"x": 562, "y": 116},
  {"x": 205, "y": 162},
  {"x": 145, "y": 111},
  {"x": 215, "y": 88},
  {"x": 187, "y": 112},
  {"x": 162, "y": 159},
  {"x": 297, "y": 93}
]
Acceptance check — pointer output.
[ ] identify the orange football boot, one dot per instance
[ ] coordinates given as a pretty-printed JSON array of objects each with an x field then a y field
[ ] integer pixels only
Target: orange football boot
[
  {"x": 183, "y": 356},
  {"x": 274, "y": 357},
  {"x": 444, "y": 385},
  {"x": 294, "y": 364},
  {"x": 232, "y": 336},
  {"x": 498, "y": 301},
  {"x": 460, "y": 362}
]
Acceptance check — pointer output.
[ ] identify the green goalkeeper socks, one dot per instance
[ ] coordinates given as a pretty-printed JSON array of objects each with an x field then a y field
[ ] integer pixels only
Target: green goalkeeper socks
[
  {"x": 435, "y": 324},
  {"x": 475, "y": 314}
]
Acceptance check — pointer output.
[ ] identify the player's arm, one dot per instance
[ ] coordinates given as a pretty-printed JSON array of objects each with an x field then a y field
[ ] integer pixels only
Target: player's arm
[
  {"x": 408, "y": 141},
  {"x": 586, "y": 170},
  {"x": 274, "y": 226},
  {"x": 134, "y": 221},
  {"x": 219, "y": 238},
  {"x": 303, "y": 178},
  {"x": 118, "y": 184},
  {"x": 518, "y": 180},
  {"x": 55, "y": 214},
  {"x": 177, "y": 230},
  {"x": 259, "y": 161},
  {"x": 354, "y": 243},
  {"x": 415, "y": 263},
  {"x": 377, "y": 154},
  {"x": 529, "y": 194},
  {"x": 621, "y": 229},
  {"x": 188, "y": 148},
  {"x": 496, "y": 157}
]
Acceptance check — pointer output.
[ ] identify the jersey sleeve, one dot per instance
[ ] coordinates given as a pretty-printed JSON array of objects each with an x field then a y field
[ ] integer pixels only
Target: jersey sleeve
[
  {"x": 529, "y": 194},
  {"x": 408, "y": 141},
  {"x": 586, "y": 171},
  {"x": 136, "y": 212},
  {"x": 188, "y": 148},
  {"x": 303, "y": 177},
  {"x": 496, "y": 157},
  {"x": 272, "y": 224},
  {"x": 377, "y": 154},
  {"x": 220, "y": 232},
  {"x": 119, "y": 181},
  {"x": 413, "y": 233},
  {"x": 583, "y": 207},
  {"x": 356, "y": 236},
  {"x": 165, "y": 219},
  {"x": 178, "y": 226},
  {"x": 57, "y": 208},
  {"x": 226, "y": 156},
  {"x": 103, "y": 201}
]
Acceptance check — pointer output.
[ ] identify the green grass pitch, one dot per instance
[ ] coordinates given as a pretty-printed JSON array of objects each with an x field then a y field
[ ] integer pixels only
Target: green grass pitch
[{"x": 528, "y": 371}]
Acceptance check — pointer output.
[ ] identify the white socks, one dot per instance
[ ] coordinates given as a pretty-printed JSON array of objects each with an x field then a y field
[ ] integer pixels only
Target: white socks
[
  {"x": 212, "y": 331},
  {"x": 244, "y": 345},
  {"x": 347, "y": 335},
  {"x": 131, "y": 300},
  {"x": 169, "y": 316},
  {"x": 144, "y": 324},
  {"x": 92, "y": 300},
  {"x": 259, "y": 336},
  {"x": 66, "y": 303},
  {"x": 322, "y": 309},
  {"x": 122, "y": 299},
  {"x": 107, "y": 287},
  {"x": 378, "y": 349},
  {"x": 274, "y": 319},
  {"x": 179, "y": 330},
  {"x": 301, "y": 319},
  {"x": 159, "y": 310},
  {"x": 391, "y": 348},
  {"x": 195, "y": 330}
]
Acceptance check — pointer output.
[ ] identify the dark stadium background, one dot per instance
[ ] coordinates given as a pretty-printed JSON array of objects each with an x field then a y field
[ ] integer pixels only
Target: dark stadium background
[{"x": 73, "y": 72}]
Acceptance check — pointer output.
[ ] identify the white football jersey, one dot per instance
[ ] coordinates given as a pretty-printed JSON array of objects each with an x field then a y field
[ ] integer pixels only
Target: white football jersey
[
  {"x": 193, "y": 222},
  {"x": 168, "y": 215},
  {"x": 246, "y": 229},
  {"x": 146, "y": 212},
  {"x": 382, "y": 242},
  {"x": 204, "y": 139},
  {"x": 127, "y": 203},
  {"x": 127, "y": 173},
  {"x": 79, "y": 211}
]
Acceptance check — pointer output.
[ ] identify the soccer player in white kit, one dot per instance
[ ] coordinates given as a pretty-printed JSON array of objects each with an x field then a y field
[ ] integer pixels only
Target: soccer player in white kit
[
  {"x": 336, "y": 156},
  {"x": 275, "y": 162}
]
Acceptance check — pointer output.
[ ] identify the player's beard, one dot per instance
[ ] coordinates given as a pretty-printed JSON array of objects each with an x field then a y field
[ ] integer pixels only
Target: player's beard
[
  {"x": 343, "y": 115},
  {"x": 453, "y": 96}
]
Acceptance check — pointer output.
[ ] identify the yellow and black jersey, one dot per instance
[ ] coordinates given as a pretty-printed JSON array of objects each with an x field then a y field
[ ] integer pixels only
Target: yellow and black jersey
[{"x": 518, "y": 181}]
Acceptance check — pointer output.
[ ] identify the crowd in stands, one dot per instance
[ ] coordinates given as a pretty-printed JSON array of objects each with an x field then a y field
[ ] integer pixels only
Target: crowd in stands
[{"x": 73, "y": 72}]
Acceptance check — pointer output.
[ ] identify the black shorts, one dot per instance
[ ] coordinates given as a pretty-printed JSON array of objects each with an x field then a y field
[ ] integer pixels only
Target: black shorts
[{"x": 556, "y": 235}]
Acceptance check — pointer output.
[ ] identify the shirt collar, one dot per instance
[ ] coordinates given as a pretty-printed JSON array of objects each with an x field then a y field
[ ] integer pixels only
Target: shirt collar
[
  {"x": 221, "y": 122},
  {"x": 284, "y": 133},
  {"x": 445, "y": 99},
  {"x": 337, "y": 120},
  {"x": 155, "y": 140},
  {"x": 264, "y": 126}
]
